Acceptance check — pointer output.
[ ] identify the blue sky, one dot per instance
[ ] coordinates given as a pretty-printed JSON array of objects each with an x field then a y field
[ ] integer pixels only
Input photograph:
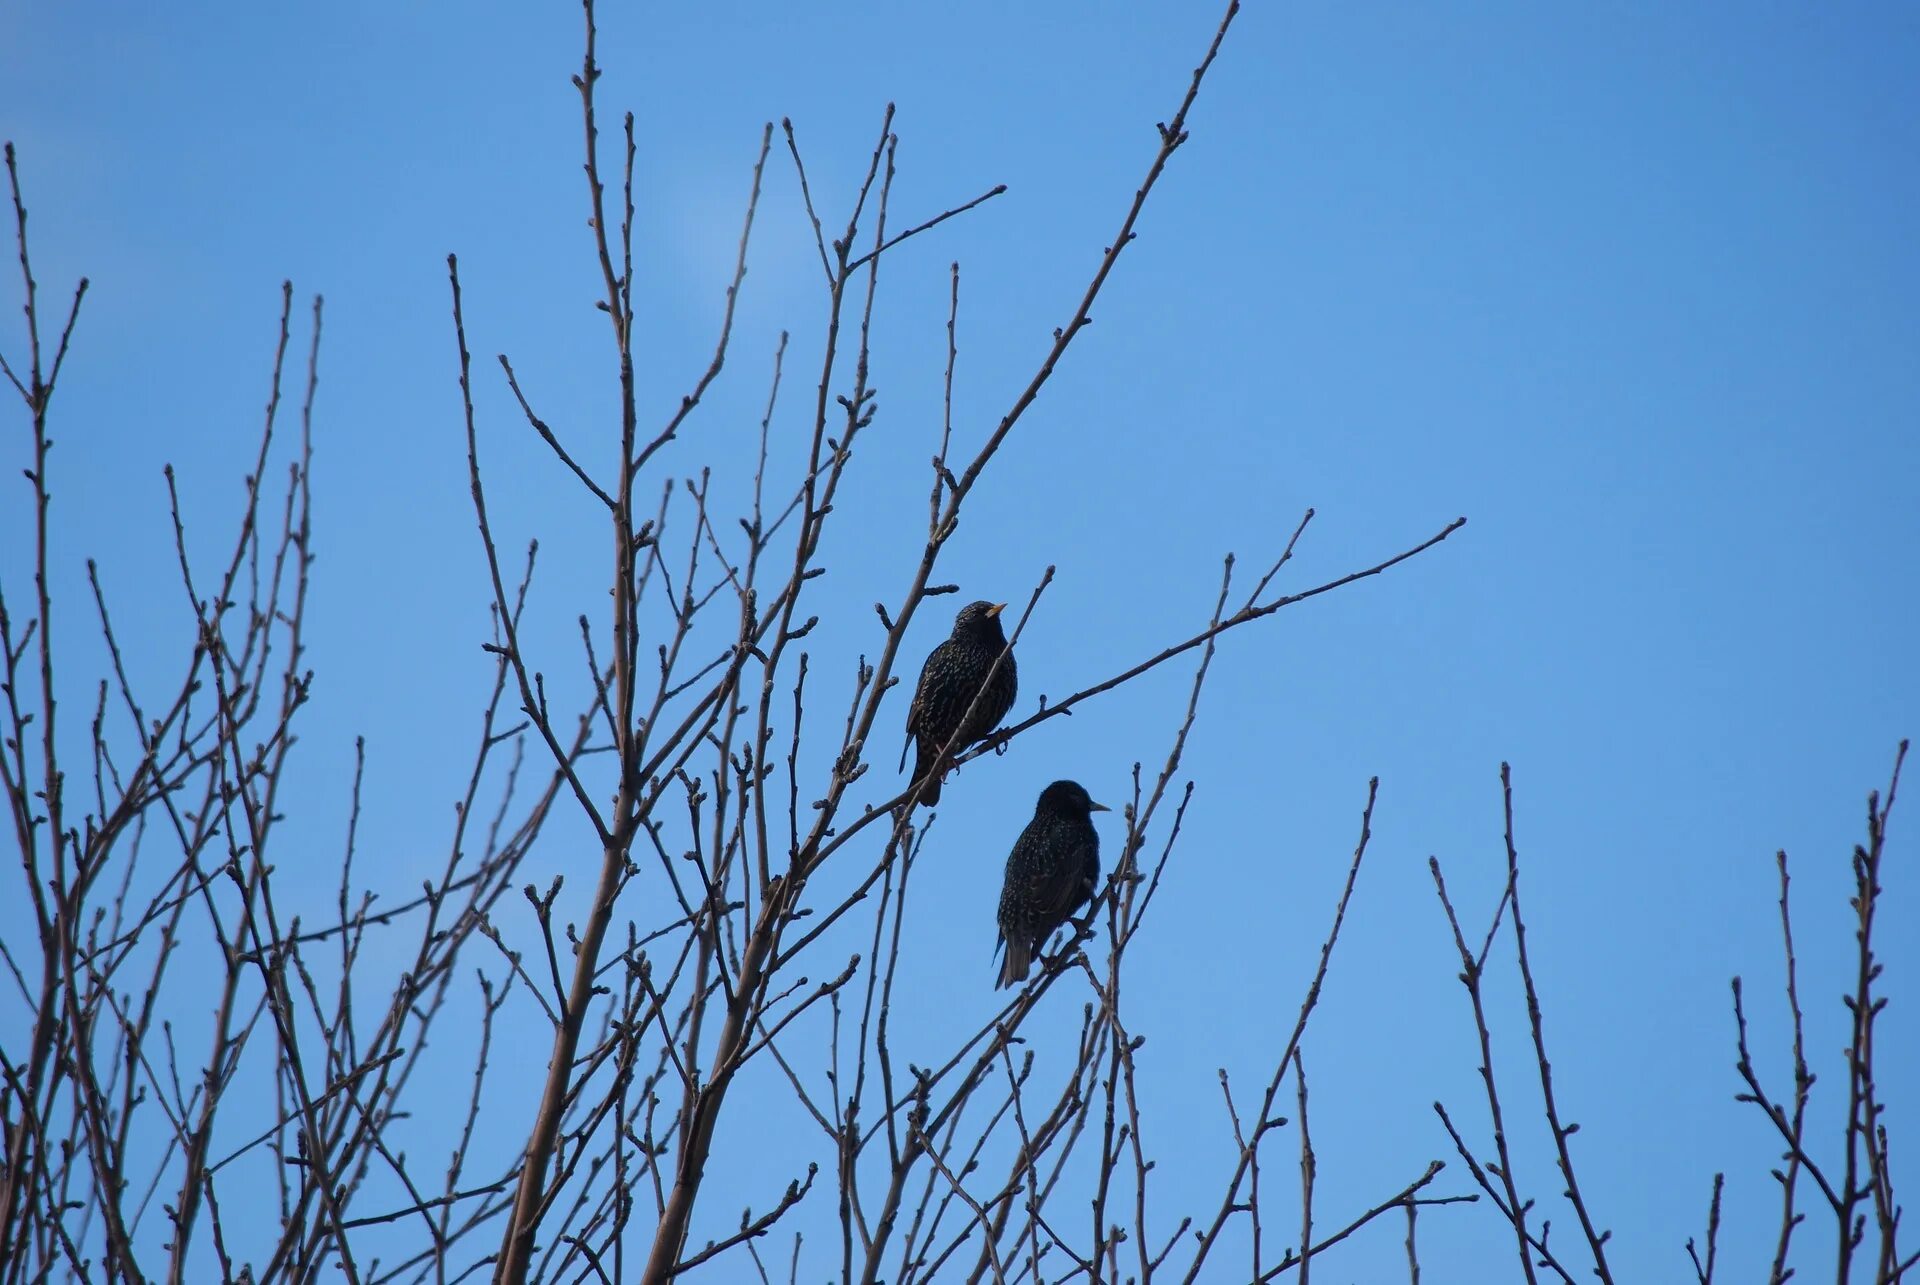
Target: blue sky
[{"x": 1634, "y": 289}]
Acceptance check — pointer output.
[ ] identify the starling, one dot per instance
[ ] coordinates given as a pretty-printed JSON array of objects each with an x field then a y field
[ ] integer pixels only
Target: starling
[
  {"x": 1050, "y": 874},
  {"x": 952, "y": 677}
]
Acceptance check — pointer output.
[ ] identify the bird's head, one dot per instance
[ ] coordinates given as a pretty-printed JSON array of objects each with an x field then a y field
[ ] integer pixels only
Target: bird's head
[
  {"x": 980, "y": 620},
  {"x": 1069, "y": 798}
]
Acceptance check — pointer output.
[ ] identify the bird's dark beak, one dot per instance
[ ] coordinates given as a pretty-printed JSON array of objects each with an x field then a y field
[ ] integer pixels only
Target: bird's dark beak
[
  {"x": 1097, "y": 807},
  {"x": 996, "y": 609}
]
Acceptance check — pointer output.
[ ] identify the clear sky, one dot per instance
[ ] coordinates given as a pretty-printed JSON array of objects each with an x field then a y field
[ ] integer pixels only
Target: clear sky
[{"x": 1635, "y": 288}]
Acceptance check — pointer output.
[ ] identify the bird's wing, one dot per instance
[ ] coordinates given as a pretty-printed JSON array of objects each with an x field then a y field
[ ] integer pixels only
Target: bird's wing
[
  {"x": 913, "y": 711},
  {"x": 1067, "y": 893}
]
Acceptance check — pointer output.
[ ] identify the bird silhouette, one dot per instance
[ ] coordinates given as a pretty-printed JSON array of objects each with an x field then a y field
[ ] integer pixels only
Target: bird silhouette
[
  {"x": 954, "y": 675},
  {"x": 1051, "y": 873}
]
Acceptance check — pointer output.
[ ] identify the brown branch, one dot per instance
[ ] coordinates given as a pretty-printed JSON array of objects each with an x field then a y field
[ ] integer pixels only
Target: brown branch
[
  {"x": 1413, "y": 1254},
  {"x": 1864, "y": 1106},
  {"x": 1512, "y": 1208},
  {"x": 861, "y": 262},
  {"x": 1703, "y": 1272},
  {"x": 1241, "y": 617},
  {"x": 1774, "y": 1112},
  {"x": 1307, "y": 1168},
  {"x": 1267, "y": 1120},
  {"x": 1802, "y": 1087},
  {"x": 1596, "y": 1240},
  {"x": 1172, "y": 135},
  {"x": 1513, "y": 1213},
  {"x": 511, "y": 650},
  {"x": 1407, "y": 1197},
  {"x": 749, "y": 1230},
  {"x": 547, "y": 436}
]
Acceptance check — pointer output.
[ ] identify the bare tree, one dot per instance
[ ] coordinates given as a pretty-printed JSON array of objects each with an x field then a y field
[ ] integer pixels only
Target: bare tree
[
  {"x": 1857, "y": 1185},
  {"x": 694, "y": 757},
  {"x": 685, "y": 741}
]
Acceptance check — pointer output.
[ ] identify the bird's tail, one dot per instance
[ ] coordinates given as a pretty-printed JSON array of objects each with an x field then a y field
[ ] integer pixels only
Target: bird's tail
[
  {"x": 1014, "y": 968},
  {"x": 923, "y": 766}
]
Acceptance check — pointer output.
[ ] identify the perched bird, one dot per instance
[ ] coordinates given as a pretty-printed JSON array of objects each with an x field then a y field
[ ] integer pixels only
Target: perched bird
[
  {"x": 952, "y": 677},
  {"x": 1051, "y": 873}
]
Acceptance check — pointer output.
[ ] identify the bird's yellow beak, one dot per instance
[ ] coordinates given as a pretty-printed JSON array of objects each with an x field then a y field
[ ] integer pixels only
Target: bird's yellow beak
[{"x": 996, "y": 608}]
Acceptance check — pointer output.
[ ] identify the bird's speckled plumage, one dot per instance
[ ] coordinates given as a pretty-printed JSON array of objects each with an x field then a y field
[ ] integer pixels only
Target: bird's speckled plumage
[
  {"x": 953, "y": 675},
  {"x": 1051, "y": 873}
]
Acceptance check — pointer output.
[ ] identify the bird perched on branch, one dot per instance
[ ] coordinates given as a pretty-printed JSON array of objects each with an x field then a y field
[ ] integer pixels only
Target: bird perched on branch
[
  {"x": 1051, "y": 873},
  {"x": 954, "y": 675}
]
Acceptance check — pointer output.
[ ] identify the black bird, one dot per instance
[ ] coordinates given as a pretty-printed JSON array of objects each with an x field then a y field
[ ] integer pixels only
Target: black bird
[
  {"x": 953, "y": 675},
  {"x": 1050, "y": 874}
]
